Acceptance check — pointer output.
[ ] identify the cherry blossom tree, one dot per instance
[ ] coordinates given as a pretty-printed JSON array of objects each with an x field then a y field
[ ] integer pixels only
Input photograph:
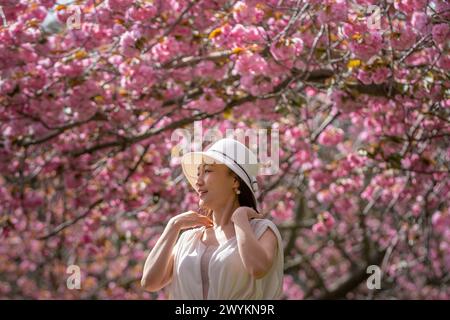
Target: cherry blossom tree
[{"x": 359, "y": 91}]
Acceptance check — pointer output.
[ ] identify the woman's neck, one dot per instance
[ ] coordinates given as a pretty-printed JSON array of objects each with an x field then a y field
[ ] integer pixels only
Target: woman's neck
[{"x": 222, "y": 216}]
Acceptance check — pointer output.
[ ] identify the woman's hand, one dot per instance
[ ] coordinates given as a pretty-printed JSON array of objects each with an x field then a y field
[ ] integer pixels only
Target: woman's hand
[
  {"x": 190, "y": 219},
  {"x": 245, "y": 213}
]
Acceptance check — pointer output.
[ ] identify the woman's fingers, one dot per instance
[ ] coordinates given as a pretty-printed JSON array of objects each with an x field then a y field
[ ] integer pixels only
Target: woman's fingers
[
  {"x": 204, "y": 220},
  {"x": 255, "y": 215}
]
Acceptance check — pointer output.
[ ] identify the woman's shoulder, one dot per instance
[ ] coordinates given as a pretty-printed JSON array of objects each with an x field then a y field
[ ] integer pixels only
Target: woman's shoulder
[{"x": 260, "y": 225}]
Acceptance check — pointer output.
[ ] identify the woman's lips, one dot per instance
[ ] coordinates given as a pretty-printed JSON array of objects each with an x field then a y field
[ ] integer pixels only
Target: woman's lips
[{"x": 202, "y": 193}]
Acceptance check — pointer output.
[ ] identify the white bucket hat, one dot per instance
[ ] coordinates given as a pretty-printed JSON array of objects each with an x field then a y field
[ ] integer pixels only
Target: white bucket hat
[{"x": 229, "y": 152}]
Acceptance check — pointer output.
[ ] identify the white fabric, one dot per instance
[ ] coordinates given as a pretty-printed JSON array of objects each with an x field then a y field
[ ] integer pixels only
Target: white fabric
[
  {"x": 228, "y": 279},
  {"x": 207, "y": 253}
]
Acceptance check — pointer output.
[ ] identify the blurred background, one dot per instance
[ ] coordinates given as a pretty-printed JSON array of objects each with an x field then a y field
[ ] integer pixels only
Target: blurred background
[{"x": 91, "y": 93}]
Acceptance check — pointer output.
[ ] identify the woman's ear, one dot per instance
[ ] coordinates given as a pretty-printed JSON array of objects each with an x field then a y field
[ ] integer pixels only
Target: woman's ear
[{"x": 235, "y": 182}]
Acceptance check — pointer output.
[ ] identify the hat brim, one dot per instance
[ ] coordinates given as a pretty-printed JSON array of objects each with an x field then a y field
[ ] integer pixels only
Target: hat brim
[{"x": 190, "y": 162}]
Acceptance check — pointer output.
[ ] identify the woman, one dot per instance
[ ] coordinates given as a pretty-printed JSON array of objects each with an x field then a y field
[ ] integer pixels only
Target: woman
[{"x": 231, "y": 252}]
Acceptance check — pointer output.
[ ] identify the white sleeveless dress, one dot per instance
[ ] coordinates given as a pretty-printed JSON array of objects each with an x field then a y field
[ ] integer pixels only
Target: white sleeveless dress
[{"x": 226, "y": 275}]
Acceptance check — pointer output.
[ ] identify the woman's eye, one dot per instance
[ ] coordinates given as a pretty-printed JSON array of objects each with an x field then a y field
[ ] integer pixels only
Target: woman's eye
[{"x": 207, "y": 170}]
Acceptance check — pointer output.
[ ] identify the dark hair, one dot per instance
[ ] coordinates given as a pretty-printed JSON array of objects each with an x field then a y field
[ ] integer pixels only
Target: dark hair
[{"x": 245, "y": 198}]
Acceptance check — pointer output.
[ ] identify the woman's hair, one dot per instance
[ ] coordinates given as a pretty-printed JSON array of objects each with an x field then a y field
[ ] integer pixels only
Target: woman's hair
[{"x": 245, "y": 198}]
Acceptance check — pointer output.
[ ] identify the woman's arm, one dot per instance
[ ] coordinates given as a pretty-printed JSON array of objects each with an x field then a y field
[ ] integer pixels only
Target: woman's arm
[
  {"x": 158, "y": 267},
  {"x": 257, "y": 255}
]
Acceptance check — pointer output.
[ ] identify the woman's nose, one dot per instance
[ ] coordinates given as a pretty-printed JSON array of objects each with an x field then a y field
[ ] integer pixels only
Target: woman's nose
[{"x": 199, "y": 181}]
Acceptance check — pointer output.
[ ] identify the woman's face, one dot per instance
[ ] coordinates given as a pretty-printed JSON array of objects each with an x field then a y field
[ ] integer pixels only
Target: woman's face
[{"x": 215, "y": 185}]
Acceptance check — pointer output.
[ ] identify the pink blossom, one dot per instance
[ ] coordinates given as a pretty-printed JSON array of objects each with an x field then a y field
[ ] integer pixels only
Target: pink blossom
[
  {"x": 319, "y": 228},
  {"x": 324, "y": 196},
  {"x": 142, "y": 76},
  {"x": 403, "y": 39},
  {"x": 440, "y": 220},
  {"x": 364, "y": 76},
  {"x": 33, "y": 200},
  {"x": 334, "y": 11},
  {"x": 291, "y": 289},
  {"x": 444, "y": 62},
  {"x": 419, "y": 21},
  {"x": 209, "y": 102},
  {"x": 354, "y": 160},
  {"x": 256, "y": 35},
  {"x": 285, "y": 51},
  {"x": 128, "y": 43},
  {"x": 238, "y": 33},
  {"x": 245, "y": 13},
  {"x": 328, "y": 220},
  {"x": 408, "y": 161},
  {"x": 165, "y": 49},
  {"x": 442, "y": 8},
  {"x": 119, "y": 5},
  {"x": 331, "y": 136},
  {"x": 343, "y": 101},
  {"x": 297, "y": 44},
  {"x": 369, "y": 45},
  {"x": 310, "y": 91},
  {"x": 380, "y": 75},
  {"x": 408, "y": 6},
  {"x": 441, "y": 33},
  {"x": 142, "y": 13},
  {"x": 72, "y": 69},
  {"x": 251, "y": 64},
  {"x": 345, "y": 206}
]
